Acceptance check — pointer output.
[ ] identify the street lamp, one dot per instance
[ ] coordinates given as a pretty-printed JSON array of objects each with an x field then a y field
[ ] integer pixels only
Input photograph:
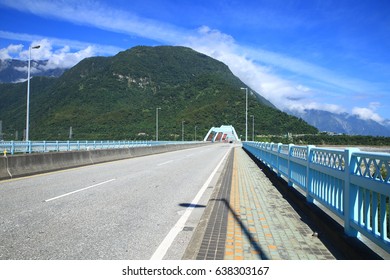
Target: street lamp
[
  {"x": 182, "y": 130},
  {"x": 246, "y": 113},
  {"x": 28, "y": 92},
  {"x": 157, "y": 123},
  {"x": 253, "y": 127}
]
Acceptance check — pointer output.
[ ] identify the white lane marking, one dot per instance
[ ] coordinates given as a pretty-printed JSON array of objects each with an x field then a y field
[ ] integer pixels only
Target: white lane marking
[
  {"x": 169, "y": 161},
  {"x": 80, "y": 190},
  {"x": 178, "y": 227}
]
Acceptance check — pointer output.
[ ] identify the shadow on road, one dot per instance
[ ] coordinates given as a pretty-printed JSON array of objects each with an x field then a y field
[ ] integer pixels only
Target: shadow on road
[{"x": 190, "y": 205}]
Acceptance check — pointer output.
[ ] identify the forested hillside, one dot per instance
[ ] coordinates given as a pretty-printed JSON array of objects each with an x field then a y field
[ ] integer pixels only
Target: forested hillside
[{"x": 116, "y": 98}]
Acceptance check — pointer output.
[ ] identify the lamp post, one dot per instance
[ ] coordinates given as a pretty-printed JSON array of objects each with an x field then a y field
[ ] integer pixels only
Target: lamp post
[
  {"x": 182, "y": 130},
  {"x": 246, "y": 113},
  {"x": 195, "y": 133},
  {"x": 28, "y": 92},
  {"x": 253, "y": 127},
  {"x": 157, "y": 123}
]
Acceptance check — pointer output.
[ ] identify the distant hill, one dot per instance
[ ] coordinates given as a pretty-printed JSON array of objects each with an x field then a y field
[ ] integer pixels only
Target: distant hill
[
  {"x": 15, "y": 71},
  {"x": 116, "y": 98},
  {"x": 344, "y": 123}
]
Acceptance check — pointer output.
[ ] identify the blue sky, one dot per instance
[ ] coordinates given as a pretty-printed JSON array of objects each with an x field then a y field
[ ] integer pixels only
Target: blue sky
[{"x": 309, "y": 54}]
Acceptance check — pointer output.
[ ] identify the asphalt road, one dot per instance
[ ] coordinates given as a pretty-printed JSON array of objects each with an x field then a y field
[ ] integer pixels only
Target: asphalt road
[{"x": 130, "y": 209}]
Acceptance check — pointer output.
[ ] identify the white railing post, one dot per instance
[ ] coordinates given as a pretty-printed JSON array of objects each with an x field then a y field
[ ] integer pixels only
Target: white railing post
[
  {"x": 29, "y": 146},
  {"x": 350, "y": 194},
  {"x": 278, "y": 160},
  {"x": 308, "y": 182},
  {"x": 290, "y": 183}
]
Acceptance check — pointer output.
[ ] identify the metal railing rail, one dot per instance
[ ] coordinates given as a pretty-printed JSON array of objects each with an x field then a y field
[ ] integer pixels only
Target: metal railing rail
[
  {"x": 14, "y": 147},
  {"x": 352, "y": 184}
]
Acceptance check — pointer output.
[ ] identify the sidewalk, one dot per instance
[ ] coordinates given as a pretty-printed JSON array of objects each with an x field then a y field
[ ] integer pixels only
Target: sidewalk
[{"x": 247, "y": 219}]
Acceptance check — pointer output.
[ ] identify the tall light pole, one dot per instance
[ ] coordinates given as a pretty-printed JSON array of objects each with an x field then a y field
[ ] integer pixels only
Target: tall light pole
[
  {"x": 246, "y": 113},
  {"x": 157, "y": 123},
  {"x": 195, "y": 133},
  {"x": 253, "y": 127},
  {"x": 182, "y": 130},
  {"x": 28, "y": 92}
]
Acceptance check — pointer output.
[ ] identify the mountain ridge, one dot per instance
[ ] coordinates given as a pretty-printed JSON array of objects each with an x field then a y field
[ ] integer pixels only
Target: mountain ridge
[
  {"x": 343, "y": 123},
  {"x": 116, "y": 98},
  {"x": 15, "y": 71}
]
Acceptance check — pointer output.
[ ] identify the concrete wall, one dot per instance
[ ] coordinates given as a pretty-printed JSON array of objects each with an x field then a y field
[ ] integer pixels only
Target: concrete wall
[{"x": 29, "y": 164}]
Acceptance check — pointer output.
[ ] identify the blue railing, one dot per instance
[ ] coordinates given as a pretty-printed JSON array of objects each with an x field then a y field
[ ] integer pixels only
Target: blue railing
[
  {"x": 352, "y": 184},
  {"x": 14, "y": 147}
]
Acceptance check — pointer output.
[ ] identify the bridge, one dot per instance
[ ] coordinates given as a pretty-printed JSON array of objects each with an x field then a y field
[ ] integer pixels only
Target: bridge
[{"x": 202, "y": 201}]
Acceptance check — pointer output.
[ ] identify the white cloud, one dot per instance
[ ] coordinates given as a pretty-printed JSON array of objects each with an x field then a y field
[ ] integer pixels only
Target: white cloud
[
  {"x": 368, "y": 113},
  {"x": 64, "y": 58},
  {"x": 56, "y": 43},
  {"x": 10, "y": 51},
  {"x": 301, "y": 107},
  {"x": 56, "y": 58},
  {"x": 260, "y": 69},
  {"x": 298, "y": 67},
  {"x": 374, "y": 105},
  {"x": 283, "y": 93},
  {"x": 102, "y": 16}
]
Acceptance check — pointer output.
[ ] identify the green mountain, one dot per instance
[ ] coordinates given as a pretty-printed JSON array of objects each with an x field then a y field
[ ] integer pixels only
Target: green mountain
[{"x": 116, "y": 98}]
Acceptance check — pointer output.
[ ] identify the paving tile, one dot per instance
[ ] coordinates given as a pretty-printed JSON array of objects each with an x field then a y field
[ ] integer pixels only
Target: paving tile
[{"x": 253, "y": 221}]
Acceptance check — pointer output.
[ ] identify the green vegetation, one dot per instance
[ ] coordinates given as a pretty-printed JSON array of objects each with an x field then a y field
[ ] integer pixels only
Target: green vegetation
[
  {"x": 325, "y": 139},
  {"x": 116, "y": 98}
]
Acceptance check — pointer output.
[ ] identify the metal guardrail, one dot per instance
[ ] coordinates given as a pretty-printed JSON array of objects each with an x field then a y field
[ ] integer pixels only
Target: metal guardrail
[
  {"x": 352, "y": 184},
  {"x": 14, "y": 147}
]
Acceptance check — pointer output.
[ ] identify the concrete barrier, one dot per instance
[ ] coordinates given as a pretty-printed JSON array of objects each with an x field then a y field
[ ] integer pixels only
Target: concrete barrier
[
  {"x": 30, "y": 164},
  {"x": 3, "y": 168}
]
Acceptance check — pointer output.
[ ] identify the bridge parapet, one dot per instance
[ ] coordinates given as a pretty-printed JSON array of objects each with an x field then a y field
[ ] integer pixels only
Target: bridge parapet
[
  {"x": 15, "y": 147},
  {"x": 352, "y": 184},
  {"x": 41, "y": 161}
]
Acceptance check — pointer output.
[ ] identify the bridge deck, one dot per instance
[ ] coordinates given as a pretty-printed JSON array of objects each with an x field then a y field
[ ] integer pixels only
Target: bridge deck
[{"x": 248, "y": 218}]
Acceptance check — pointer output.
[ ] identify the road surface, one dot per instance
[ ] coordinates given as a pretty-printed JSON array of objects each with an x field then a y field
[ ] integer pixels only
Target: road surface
[{"x": 130, "y": 209}]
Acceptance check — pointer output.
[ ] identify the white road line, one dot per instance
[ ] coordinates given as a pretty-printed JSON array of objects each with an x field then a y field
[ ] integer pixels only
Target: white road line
[
  {"x": 169, "y": 161},
  {"x": 178, "y": 227},
  {"x": 83, "y": 189}
]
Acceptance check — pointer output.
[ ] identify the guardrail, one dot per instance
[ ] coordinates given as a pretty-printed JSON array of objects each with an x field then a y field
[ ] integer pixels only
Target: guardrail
[
  {"x": 14, "y": 147},
  {"x": 352, "y": 184}
]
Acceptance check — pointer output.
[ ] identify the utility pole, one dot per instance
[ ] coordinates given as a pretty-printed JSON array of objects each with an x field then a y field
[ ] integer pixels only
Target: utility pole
[
  {"x": 246, "y": 113},
  {"x": 182, "y": 130},
  {"x": 157, "y": 123},
  {"x": 253, "y": 127},
  {"x": 28, "y": 93}
]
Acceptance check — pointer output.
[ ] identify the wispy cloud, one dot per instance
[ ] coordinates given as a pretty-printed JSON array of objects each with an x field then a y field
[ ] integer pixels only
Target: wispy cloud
[
  {"x": 244, "y": 63},
  {"x": 263, "y": 70},
  {"x": 101, "y": 16},
  {"x": 10, "y": 51},
  {"x": 368, "y": 113},
  {"x": 59, "y": 53},
  {"x": 61, "y": 42}
]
